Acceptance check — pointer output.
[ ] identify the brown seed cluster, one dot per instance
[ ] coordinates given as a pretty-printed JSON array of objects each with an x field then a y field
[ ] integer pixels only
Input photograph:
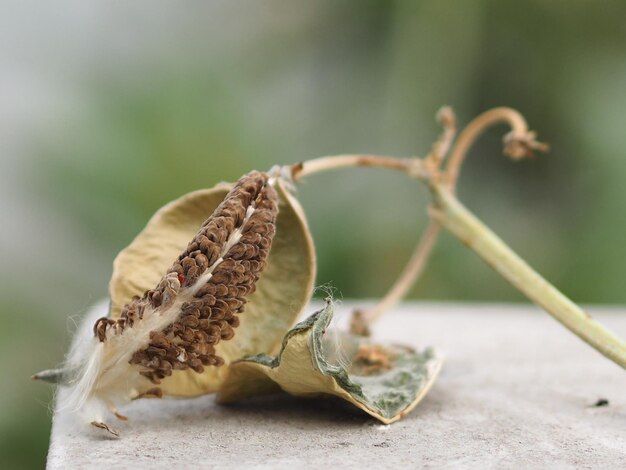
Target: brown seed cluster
[{"x": 232, "y": 245}]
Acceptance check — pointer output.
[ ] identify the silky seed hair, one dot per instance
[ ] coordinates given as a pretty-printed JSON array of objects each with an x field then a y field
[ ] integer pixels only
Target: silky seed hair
[{"x": 207, "y": 285}]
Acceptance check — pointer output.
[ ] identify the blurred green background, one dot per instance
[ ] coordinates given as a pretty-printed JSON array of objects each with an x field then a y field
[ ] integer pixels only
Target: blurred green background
[{"x": 108, "y": 110}]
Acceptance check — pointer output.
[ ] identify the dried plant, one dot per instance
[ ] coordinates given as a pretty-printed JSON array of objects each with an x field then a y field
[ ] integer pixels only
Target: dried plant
[
  {"x": 177, "y": 325},
  {"x": 170, "y": 340}
]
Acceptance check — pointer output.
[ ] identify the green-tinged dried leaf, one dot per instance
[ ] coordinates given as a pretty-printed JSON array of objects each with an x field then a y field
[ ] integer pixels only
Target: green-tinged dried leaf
[
  {"x": 386, "y": 382},
  {"x": 282, "y": 291}
]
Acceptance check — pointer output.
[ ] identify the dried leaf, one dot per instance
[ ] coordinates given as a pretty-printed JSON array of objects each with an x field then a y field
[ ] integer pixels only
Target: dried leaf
[
  {"x": 282, "y": 291},
  {"x": 386, "y": 382}
]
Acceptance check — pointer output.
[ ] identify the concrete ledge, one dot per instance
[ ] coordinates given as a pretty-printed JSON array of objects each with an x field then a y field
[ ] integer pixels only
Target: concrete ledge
[{"x": 517, "y": 390}]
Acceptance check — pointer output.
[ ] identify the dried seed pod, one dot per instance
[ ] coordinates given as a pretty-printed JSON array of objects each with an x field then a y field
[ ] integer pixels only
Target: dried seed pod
[
  {"x": 272, "y": 304},
  {"x": 385, "y": 381},
  {"x": 183, "y": 293},
  {"x": 235, "y": 289}
]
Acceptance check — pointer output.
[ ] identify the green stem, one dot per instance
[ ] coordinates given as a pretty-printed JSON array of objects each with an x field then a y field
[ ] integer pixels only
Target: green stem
[{"x": 452, "y": 215}]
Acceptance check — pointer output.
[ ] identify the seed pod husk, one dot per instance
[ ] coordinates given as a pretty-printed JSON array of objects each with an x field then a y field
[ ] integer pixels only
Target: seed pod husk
[
  {"x": 385, "y": 381},
  {"x": 236, "y": 289},
  {"x": 282, "y": 291}
]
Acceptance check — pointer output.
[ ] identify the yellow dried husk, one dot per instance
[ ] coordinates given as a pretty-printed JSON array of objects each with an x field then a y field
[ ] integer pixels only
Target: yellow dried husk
[
  {"x": 307, "y": 366},
  {"x": 283, "y": 290}
]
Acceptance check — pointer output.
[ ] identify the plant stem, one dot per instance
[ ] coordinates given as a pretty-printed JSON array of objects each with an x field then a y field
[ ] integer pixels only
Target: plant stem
[
  {"x": 452, "y": 215},
  {"x": 518, "y": 143},
  {"x": 317, "y": 165},
  {"x": 448, "y": 212}
]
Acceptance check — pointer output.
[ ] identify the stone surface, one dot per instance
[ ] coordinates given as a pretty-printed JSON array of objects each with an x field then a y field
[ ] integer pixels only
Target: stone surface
[{"x": 517, "y": 390}]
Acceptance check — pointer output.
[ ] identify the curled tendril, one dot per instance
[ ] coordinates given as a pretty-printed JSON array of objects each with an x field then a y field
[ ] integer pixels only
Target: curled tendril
[{"x": 519, "y": 143}]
